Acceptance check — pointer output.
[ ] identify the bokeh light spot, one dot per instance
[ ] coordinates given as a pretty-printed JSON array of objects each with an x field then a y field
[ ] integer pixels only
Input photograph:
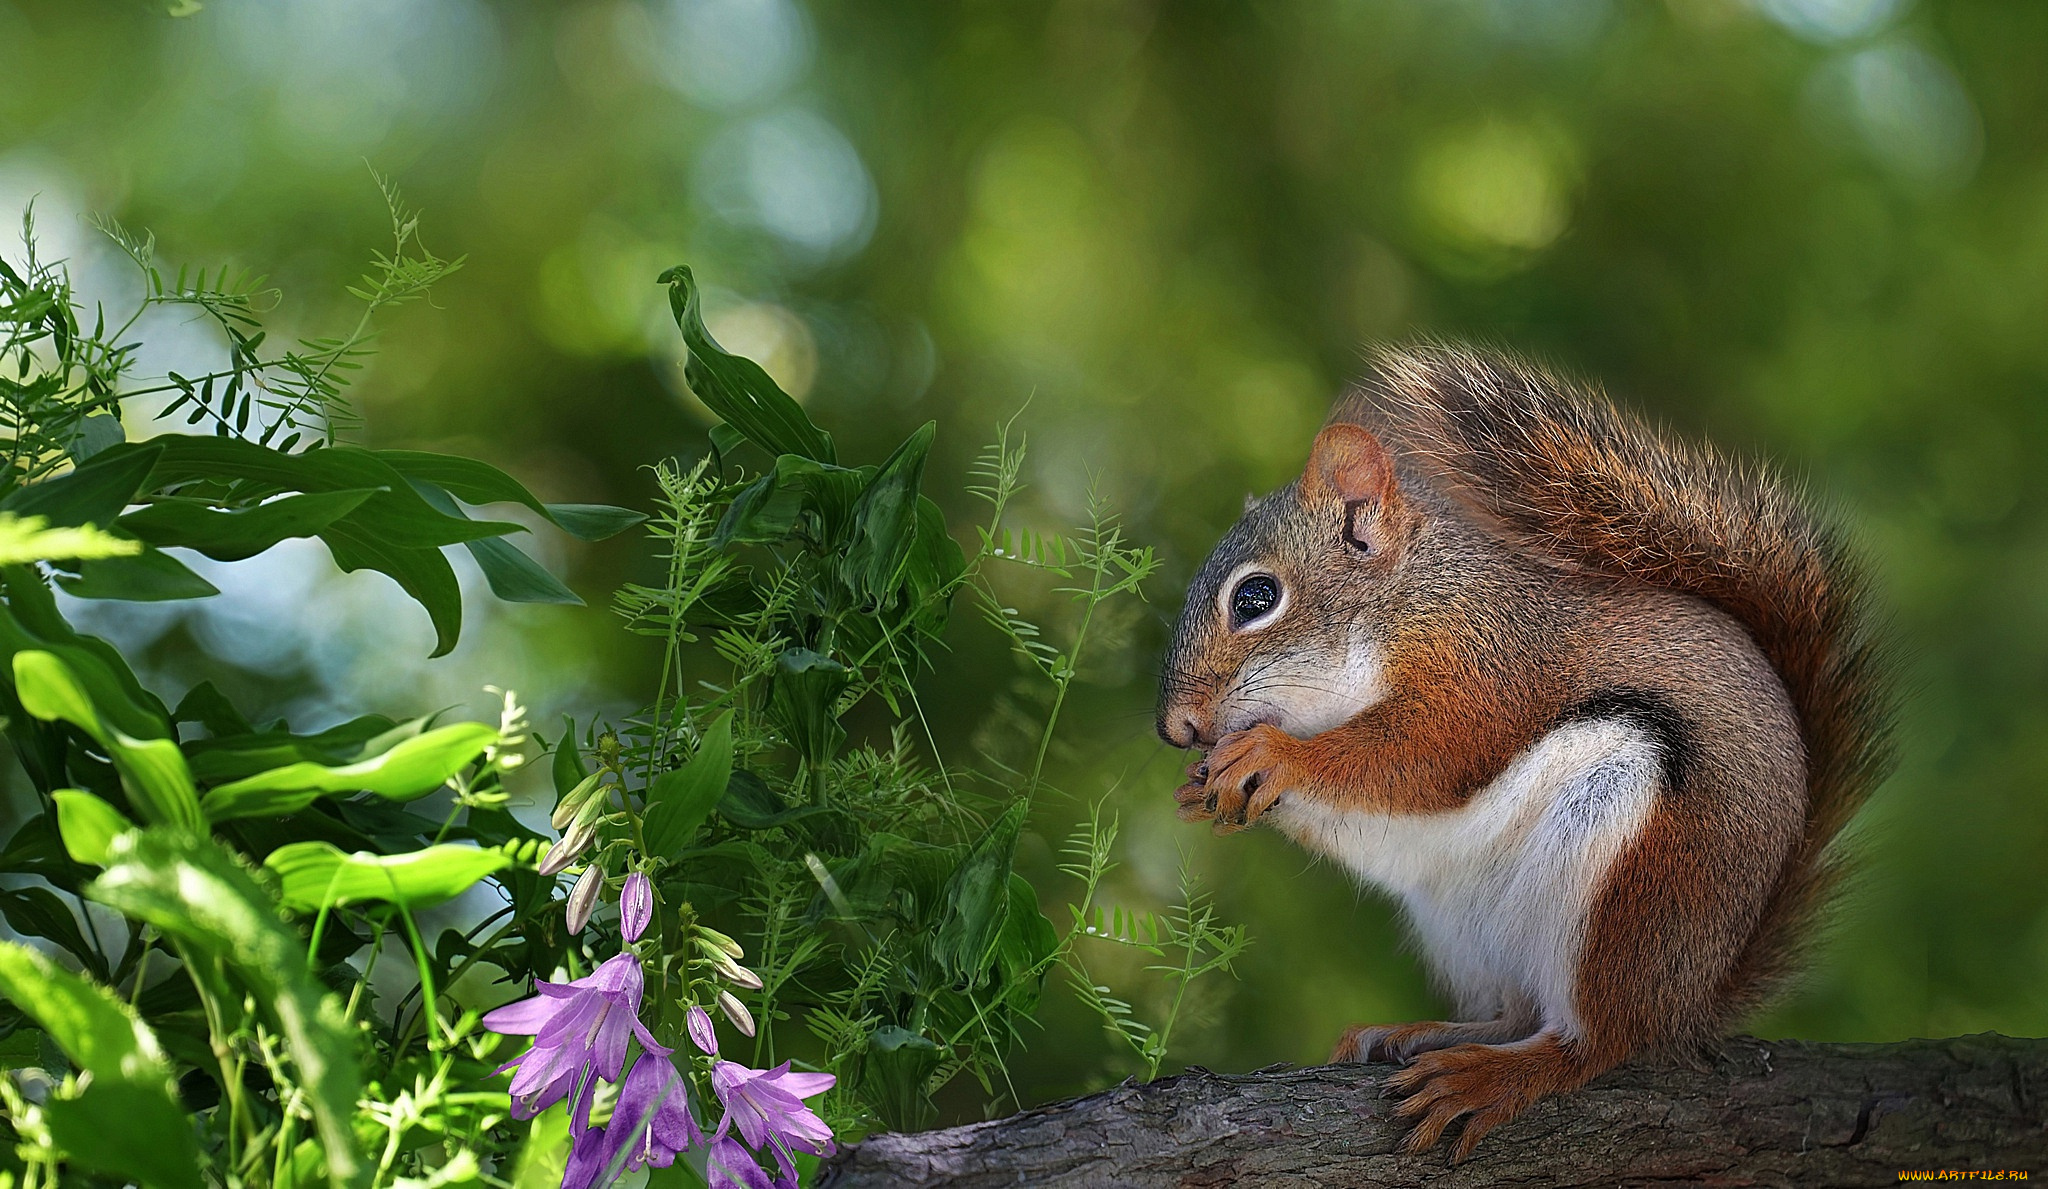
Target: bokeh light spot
[
  {"x": 728, "y": 53},
  {"x": 1914, "y": 114},
  {"x": 1830, "y": 21},
  {"x": 791, "y": 174},
  {"x": 1499, "y": 186},
  {"x": 772, "y": 336}
]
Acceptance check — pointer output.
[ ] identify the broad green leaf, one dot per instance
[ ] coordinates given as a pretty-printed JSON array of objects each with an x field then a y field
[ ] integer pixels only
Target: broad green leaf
[
  {"x": 206, "y": 705},
  {"x": 315, "y": 875},
  {"x": 593, "y": 522},
  {"x": 751, "y": 805},
  {"x": 885, "y": 520},
  {"x": 151, "y": 576},
  {"x": 804, "y": 703},
  {"x": 413, "y": 768},
  {"x": 772, "y": 507},
  {"x": 234, "y": 756},
  {"x": 196, "y": 896},
  {"x": 421, "y": 572},
  {"x": 679, "y": 801},
  {"x": 1027, "y": 940},
  {"x": 29, "y": 620},
  {"x": 978, "y": 900},
  {"x": 25, "y": 539},
  {"x": 131, "y": 1130},
  {"x": 128, "y": 1122},
  {"x": 89, "y": 825},
  {"x": 39, "y": 912},
  {"x": 475, "y": 482},
  {"x": 393, "y": 512},
  {"x": 517, "y": 578},
  {"x": 93, "y": 1027},
  {"x": 736, "y": 388},
  {"x": 234, "y": 534},
  {"x": 93, "y": 493},
  {"x": 568, "y": 769},
  {"x": 152, "y": 771},
  {"x": 514, "y": 577}
]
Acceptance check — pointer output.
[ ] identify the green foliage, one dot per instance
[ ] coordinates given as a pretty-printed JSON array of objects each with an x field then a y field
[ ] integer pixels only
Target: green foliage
[
  {"x": 281, "y": 1082},
  {"x": 895, "y": 943},
  {"x": 879, "y": 897},
  {"x": 125, "y": 1119}
]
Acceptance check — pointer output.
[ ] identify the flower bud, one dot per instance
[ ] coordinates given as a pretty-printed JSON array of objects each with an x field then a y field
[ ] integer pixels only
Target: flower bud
[
  {"x": 583, "y": 897},
  {"x": 636, "y": 906},
  {"x": 711, "y": 941},
  {"x": 737, "y": 1012},
  {"x": 702, "y": 1034},
  {"x": 572, "y": 801},
  {"x": 563, "y": 853},
  {"x": 735, "y": 973}
]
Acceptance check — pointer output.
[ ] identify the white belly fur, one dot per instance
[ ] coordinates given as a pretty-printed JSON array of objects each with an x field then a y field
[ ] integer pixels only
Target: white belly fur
[{"x": 1498, "y": 891}]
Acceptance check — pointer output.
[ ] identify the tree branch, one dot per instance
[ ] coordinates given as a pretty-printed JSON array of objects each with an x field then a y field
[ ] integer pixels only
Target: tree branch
[{"x": 1763, "y": 1113}]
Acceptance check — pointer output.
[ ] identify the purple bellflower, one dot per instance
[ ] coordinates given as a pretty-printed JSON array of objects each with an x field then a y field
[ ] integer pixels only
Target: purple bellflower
[
  {"x": 767, "y": 1107},
  {"x": 651, "y": 1122},
  {"x": 579, "y": 1029},
  {"x": 733, "y": 1167}
]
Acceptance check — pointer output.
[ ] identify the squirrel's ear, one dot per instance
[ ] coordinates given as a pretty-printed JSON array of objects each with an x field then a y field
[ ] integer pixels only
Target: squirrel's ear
[
  {"x": 1251, "y": 500},
  {"x": 1349, "y": 463}
]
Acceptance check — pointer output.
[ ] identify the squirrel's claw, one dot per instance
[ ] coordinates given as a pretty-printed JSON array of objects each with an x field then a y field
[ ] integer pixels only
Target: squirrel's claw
[{"x": 1246, "y": 774}]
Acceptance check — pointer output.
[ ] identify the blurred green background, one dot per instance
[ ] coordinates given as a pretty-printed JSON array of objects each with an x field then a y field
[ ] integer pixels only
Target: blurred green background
[{"x": 1815, "y": 230}]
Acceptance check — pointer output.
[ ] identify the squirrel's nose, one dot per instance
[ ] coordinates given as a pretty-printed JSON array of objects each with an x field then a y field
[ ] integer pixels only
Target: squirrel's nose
[{"x": 1178, "y": 728}]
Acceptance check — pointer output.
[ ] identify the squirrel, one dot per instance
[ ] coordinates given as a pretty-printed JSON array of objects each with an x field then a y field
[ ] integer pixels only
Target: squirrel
[{"x": 1590, "y": 702}]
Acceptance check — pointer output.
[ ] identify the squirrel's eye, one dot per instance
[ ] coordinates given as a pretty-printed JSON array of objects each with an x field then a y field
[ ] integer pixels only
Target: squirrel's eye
[{"x": 1253, "y": 598}]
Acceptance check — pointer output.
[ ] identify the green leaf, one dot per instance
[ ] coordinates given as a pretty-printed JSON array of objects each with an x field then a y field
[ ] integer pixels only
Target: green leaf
[
  {"x": 88, "y": 824},
  {"x": 29, "y": 620},
  {"x": 475, "y": 482},
  {"x": 568, "y": 764},
  {"x": 1027, "y": 940},
  {"x": 804, "y": 703},
  {"x": 236, "y": 755},
  {"x": 234, "y": 534},
  {"x": 39, "y": 912},
  {"x": 127, "y": 1129},
  {"x": 195, "y": 895},
  {"x": 93, "y": 493},
  {"x": 593, "y": 522},
  {"x": 150, "y": 576},
  {"x": 735, "y": 388},
  {"x": 772, "y": 507},
  {"x": 26, "y": 539},
  {"x": 751, "y": 805},
  {"x": 413, "y": 768},
  {"x": 153, "y": 771},
  {"x": 393, "y": 512},
  {"x": 678, "y": 801},
  {"x": 514, "y": 577},
  {"x": 885, "y": 520},
  {"x": 421, "y": 572},
  {"x": 315, "y": 875},
  {"x": 128, "y": 1122},
  {"x": 517, "y": 578},
  {"x": 978, "y": 897}
]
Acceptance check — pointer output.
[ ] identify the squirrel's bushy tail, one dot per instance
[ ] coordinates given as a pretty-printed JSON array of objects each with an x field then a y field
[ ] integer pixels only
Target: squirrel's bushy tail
[{"x": 1597, "y": 488}]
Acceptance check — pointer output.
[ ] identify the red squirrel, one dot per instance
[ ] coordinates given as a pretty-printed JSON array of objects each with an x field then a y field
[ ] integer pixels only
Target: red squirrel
[{"x": 1589, "y": 702}]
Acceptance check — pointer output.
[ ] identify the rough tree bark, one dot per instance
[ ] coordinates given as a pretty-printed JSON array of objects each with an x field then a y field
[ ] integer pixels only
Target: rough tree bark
[{"x": 1763, "y": 1113}]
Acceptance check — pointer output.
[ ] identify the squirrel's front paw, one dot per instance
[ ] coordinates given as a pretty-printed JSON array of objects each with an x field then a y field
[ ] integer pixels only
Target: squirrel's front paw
[{"x": 1247, "y": 772}]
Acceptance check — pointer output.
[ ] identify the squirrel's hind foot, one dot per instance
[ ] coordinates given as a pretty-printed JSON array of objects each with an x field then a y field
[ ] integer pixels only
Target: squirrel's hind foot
[
  {"x": 1402, "y": 1043},
  {"x": 1484, "y": 1084}
]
